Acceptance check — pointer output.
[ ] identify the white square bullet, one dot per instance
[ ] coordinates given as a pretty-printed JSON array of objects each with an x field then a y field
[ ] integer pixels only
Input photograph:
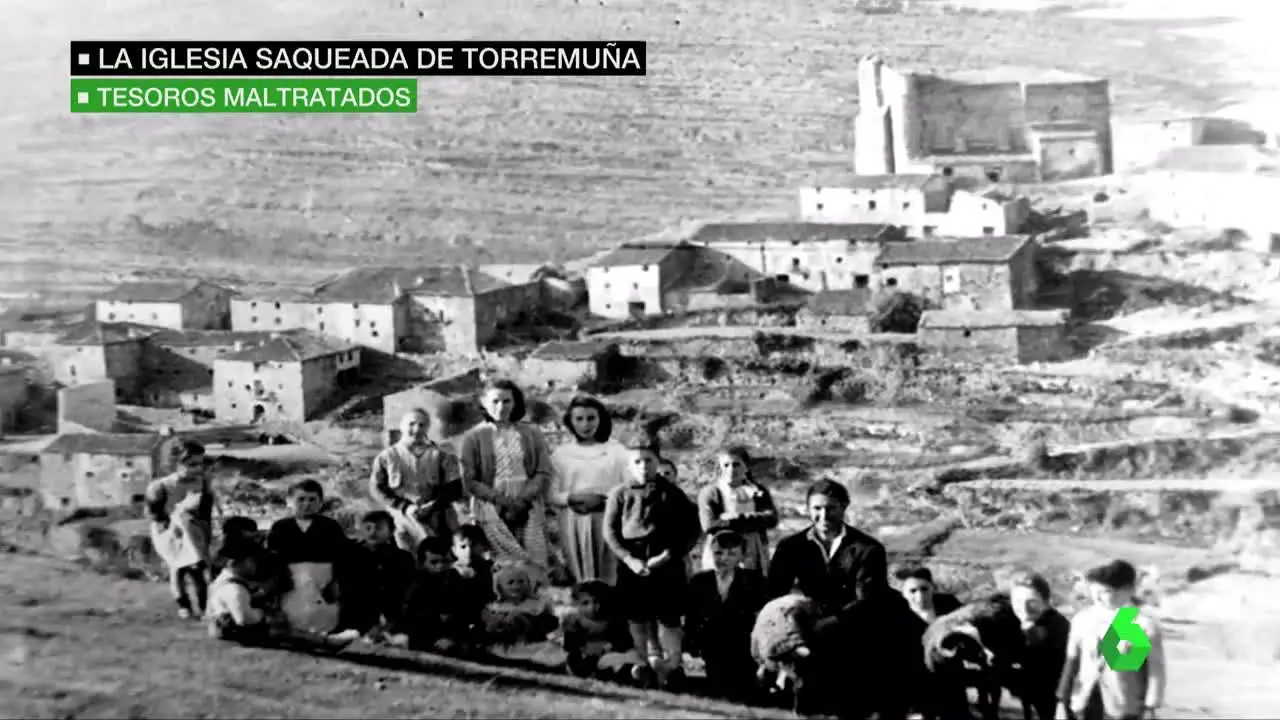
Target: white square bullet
[
  {"x": 82, "y": 58},
  {"x": 82, "y": 98}
]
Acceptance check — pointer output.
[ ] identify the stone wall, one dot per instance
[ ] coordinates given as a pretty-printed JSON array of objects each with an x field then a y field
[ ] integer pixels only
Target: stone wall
[{"x": 781, "y": 315}]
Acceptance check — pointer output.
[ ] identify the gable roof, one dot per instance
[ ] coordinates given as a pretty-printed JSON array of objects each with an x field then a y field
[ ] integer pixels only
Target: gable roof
[
  {"x": 986, "y": 250},
  {"x": 292, "y": 346},
  {"x": 155, "y": 291},
  {"x": 990, "y": 319},
  {"x": 905, "y": 181},
  {"x": 121, "y": 444},
  {"x": 385, "y": 284},
  {"x": 208, "y": 338},
  {"x": 92, "y": 332},
  {"x": 789, "y": 232},
  {"x": 637, "y": 253},
  {"x": 852, "y": 302},
  {"x": 518, "y": 273}
]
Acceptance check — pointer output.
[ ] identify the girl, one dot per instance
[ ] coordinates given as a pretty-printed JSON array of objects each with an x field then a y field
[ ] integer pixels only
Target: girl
[
  {"x": 181, "y": 509},
  {"x": 585, "y": 472},
  {"x": 506, "y": 468},
  {"x": 651, "y": 526},
  {"x": 737, "y": 502}
]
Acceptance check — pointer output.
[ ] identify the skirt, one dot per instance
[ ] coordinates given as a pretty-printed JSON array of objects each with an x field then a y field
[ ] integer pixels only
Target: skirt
[{"x": 304, "y": 605}]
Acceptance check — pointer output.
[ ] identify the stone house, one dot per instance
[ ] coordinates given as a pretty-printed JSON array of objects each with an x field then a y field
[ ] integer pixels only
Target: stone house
[
  {"x": 567, "y": 363},
  {"x": 1142, "y": 142},
  {"x": 176, "y": 304},
  {"x": 982, "y": 273},
  {"x": 290, "y": 378},
  {"x": 1003, "y": 124},
  {"x": 13, "y": 394},
  {"x": 838, "y": 311},
  {"x": 923, "y": 205},
  {"x": 1019, "y": 336},
  {"x": 434, "y": 308},
  {"x": 461, "y": 311},
  {"x": 92, "y": 351},
  {"x": 179, "y": 364},
  {"x": 559, "y": 292},
  {"x": 808, "y": 255},
  {"x": 633, "y": 279},
  {"x": 98, "y": 469},
  {"x": 1225, "y": 189}
]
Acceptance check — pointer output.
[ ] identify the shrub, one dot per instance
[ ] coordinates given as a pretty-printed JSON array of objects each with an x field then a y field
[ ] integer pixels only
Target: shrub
[{"x": 898, "y": 312}]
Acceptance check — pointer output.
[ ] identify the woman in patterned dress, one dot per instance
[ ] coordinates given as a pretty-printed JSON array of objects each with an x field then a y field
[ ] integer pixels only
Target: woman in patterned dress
[
  {"x": 586, "y": 470},
  {"x": 736, "y": 501},
  {"x": 506, "y": 469},
  {"x": 417, "y": 481}
]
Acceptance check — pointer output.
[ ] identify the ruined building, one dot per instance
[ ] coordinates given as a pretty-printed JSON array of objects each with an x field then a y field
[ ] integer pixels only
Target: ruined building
[{"x": 1001, "y": 124}]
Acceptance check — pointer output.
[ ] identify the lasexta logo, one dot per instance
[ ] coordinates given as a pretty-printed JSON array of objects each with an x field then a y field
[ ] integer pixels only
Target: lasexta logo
[{"x": 1125, "y": 646}]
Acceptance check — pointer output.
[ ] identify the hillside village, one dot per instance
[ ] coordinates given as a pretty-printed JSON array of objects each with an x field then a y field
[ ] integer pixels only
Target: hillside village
[{"x": 927, "y": 245}]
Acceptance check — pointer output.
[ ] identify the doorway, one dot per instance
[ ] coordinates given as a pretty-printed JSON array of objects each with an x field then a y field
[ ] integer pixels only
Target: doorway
[{"x": 259, "y": 414}]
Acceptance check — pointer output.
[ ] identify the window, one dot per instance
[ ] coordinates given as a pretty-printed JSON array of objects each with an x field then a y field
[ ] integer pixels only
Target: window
[
  {"x": 783, "y": 278},
  {"x": 137, "y": 498},
  {"x": 230, "y": 384},
  {"x": 128, "y": 463},
  {"x": 861, "y": 281},
  {"x": 967, "y": 333},
  {"x": 319, "y": 309},
  {"x": 891, "y": 282},
  {"x": 795, "y": 263},
  {"x": 993, "y": 174},
  {"x": 254, "y": 319},
  {"x": 253, "y": 305},
  {"x": 277, "y": 306},
  {"x": 929, "y": 230},
  {"x": 89, "y": 474},
  {"x": 154, "y": 316},
  {"x": 988, "y": 230},
  {"x": 71, "y": 369},
  {"x": 321, "y": 327},
  {"x": 111, "y": 316},
  {"x": 606, "y": 286},
  {"x": 839, "y": 260},
  {"x": 948, "y": 171},
  {"x": 373, "y": 324},
  {"x": 635, "y": 286},
  {"x": 277, "y": 320},
  {"x": 906, "y": 205},
  {"x": 644, "y": 268},
  {"x": 374, "y": 333},
  {"x": 871, "y": 204},
  {"x": 357, "y": 322},
  {"x": 820, "y": 206},
  {"x": 355, "y": 306}
]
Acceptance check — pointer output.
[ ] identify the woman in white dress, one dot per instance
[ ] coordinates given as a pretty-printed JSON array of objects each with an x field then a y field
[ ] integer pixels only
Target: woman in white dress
[{"x": 586, "y": 470}]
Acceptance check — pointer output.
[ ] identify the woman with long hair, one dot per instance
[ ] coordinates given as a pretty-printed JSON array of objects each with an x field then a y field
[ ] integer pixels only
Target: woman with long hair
[
  {"x": 506, "y": 469},
  {"x": 586, "y": 469}
]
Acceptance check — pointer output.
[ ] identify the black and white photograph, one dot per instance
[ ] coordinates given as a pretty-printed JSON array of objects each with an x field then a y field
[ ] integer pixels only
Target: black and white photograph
[{"x": 845, "y": 359}]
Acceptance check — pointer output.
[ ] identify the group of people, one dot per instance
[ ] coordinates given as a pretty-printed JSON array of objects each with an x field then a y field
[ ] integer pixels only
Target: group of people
[{"x": 456, "y": 559}]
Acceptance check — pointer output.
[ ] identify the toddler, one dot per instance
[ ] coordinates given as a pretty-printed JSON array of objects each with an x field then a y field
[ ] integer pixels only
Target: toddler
[
  {"x": 436, "y": 616},
  {"x": 596, "y": 642},
  {"x": 472, "y": 566},
  {"x": 386, "y": 571}
]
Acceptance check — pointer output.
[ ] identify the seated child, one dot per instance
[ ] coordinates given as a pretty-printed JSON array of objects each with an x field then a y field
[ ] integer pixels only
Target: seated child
[
  {"x": 385, "y": 572},
  {"x": 234, "y": 616},
  {"x": 435, "y": 616},
  {"x": 723, "y": 605},
  {"x": 317, "y": 552},
  {"x": 1089, "y": 689},
  {"x": 596, "y": 641},
  {"x": 474, "y": 569},
  {"x": 651, "y": 526},
  {"x": 273, "y": 580},
  {"x": 235, "y": 529},
  {"x": 517, "y": 615}
]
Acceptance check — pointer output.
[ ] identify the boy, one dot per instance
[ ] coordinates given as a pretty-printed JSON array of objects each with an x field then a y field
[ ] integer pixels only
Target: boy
[
  {"x": 319, "y": 544},
  {"x": 472, "y": 567},
  {"x": 652, "y": 526},
  {"x": 386, "y": 572},
  {"x": 436, "y": 616},
  {"x": 593, "y": 635},
  {"x": 1089, "y": 689},
  {"x": 233, "y": 615},
  {"x": 723, "y": 605}
]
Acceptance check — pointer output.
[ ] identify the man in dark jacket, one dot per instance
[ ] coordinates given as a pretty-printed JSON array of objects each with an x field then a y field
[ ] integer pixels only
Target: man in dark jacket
[{"x": 868, "y": 642}]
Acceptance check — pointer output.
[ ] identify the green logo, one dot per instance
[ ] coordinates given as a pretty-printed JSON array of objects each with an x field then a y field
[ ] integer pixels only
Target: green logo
[{"x": 1126, "y": 646}]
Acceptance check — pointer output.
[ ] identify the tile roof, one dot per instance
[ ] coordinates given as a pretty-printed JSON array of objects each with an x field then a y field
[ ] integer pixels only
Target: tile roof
[
  {"x": 151, "y": 290},
  {"x": 518, "y": 272},
  {"x": 92, "y": 332},
  {"x": 379, "y": 284},
  {"x": 636, "y": 253},
  {"x": 1242, "y": 159},
  {"x": 131, "y": 444},
  {"x": 291, "y": 346},
  {"x": 905, "y": 181},
  {"x": 851, "y": 302},
  {"x": 208, "y": 338},
  {"x": 571, "y": 350},
  {"x": 988, "y": 249},
  {"x": 789, "y": 232},
  {"x": 990, "y": 319}
]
